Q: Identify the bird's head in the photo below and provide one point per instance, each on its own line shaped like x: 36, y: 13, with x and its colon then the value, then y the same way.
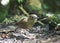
x: 33, y: 18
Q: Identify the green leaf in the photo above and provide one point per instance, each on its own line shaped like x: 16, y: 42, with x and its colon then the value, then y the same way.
x: 19, y: 1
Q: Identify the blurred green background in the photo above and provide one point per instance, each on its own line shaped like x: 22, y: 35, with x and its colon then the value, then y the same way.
x: 41, y: 7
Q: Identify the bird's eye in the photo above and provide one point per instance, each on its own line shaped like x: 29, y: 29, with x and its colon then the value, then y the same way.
x: 31, y: 17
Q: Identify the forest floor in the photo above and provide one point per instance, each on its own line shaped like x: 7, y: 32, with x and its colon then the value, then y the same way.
x: 34, y: 35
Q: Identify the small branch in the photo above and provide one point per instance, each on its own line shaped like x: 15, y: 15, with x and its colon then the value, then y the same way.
x: 41, y: 23
x: 24, y: 11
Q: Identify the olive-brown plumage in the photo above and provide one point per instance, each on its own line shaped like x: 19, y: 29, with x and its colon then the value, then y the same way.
x: 27, y: 22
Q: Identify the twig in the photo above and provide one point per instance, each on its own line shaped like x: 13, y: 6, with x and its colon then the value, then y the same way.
x: 40, y: 22
x: 24, y: 11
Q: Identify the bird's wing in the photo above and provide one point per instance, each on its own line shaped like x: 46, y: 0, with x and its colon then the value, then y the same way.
x: 22, y: 23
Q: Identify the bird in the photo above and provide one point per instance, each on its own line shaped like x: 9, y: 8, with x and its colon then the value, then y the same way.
x: 27, y: 22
